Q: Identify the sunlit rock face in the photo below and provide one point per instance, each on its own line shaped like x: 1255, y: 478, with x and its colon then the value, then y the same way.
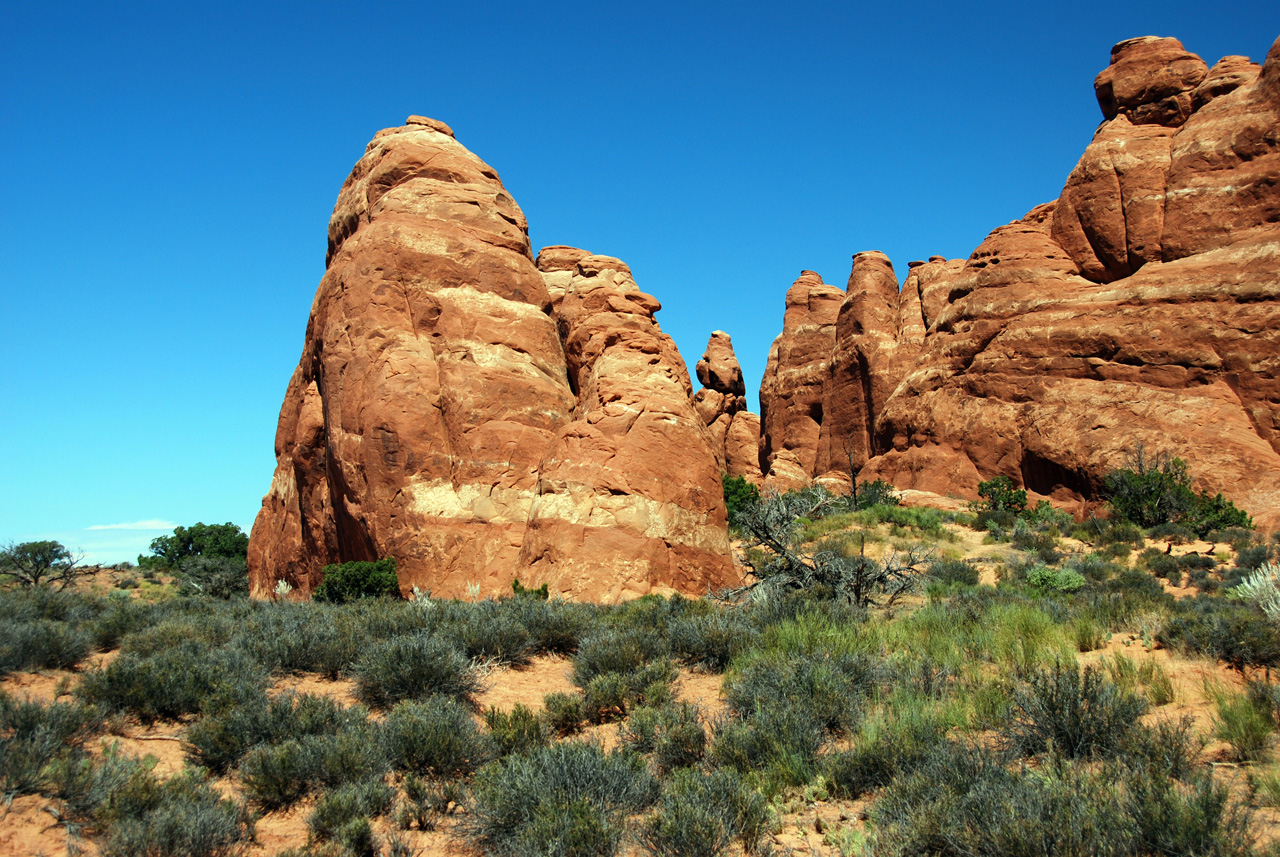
x: 1142, y: 306
x: 433, y: 415
x: 722, y: 406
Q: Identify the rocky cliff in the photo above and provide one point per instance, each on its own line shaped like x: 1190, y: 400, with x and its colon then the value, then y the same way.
x: 1143, y: 305
x: 479, y: 417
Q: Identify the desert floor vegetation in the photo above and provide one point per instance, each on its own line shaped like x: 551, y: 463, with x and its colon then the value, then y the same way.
x: 902, y: 681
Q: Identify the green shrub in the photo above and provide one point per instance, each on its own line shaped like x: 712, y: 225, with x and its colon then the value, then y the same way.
x: 182, y: 817
x: 673, y: 733
x: 214, y: 576
x: 352, y: 580
x: 625, y: 651
x: 710, y: 641
x: 831, y: 688
x: 780, y: 743
x: 1000, y: 495
x: 425, y: 801
x: 32, y: 735
x: 1243, y: 721
x: 564, y: 712
x: 884, y: 749
x: 413, y: 667
x: 348, y: 803
x: 42, y: 644
x: 954, y: 571
x: 219, y: 739
x: 279, y: 775
x: 875, y: 493
x: 490, y: 632
x: 963, y: 801
x: 517, y: 731
x: 1062, y: 580
x: 1238, y: 634
x: 566, y: 798
x: 1077, y: 712
x: 437, y: 738
x: 699, y: 815
x: 1155, y: 490
x: 172, y: 682
x: 542, y: 593
x: 738, y: 494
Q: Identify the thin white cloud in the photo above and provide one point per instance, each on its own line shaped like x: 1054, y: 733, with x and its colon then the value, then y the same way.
x: 136, y: 525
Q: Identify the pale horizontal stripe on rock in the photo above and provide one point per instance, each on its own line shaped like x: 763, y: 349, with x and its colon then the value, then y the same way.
x: 438, y: 498
x: 651, y: 518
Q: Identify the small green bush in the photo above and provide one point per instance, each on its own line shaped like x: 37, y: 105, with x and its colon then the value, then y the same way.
x: 352, y: 580
x: 1077, y: 712
x: 1062, y: 580
x: 1000, y: 495
x: 350, y: 802
x: 183, y: 817
x: 710, y: 641
x: 279, y: 775
x: 436, y: 738
x: 1245, y: 722
x: 219, y: 739
x: 954, y: 571
x: 700, y: 815
x: 738, y: 494
x: 566, y: 798
x: 32, y: 735
x: 876, y: 493
x: 673, y: 733
x: 173, y: 682
x: 413, y: 667
x: 517, y: 731
x: 42, y: 644
x: 564, y: 712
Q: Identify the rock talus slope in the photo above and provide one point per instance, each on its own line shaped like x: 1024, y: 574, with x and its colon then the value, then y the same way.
x: 1141, y: 306
x: 433, y: 390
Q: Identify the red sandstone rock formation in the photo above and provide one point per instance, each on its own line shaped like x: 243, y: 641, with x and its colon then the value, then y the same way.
x: 432, y: 407
x: 791, y: 399
x: 722, y: 406
x: 629, y: 495
x: 1142, y: 306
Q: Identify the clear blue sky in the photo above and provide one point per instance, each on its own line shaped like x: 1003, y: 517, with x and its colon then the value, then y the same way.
x: 170, y: 170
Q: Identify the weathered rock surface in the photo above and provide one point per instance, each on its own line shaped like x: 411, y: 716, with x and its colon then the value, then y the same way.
x: 791, y: 394
x: 722, y: 406
x: 632, y: 485
x: 1142, y: 306
x: 433, y: 392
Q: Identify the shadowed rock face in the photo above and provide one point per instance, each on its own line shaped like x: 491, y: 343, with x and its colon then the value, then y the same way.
x: 1141, y: 306
x: 434, y: 413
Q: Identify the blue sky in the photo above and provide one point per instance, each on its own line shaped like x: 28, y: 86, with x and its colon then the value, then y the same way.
x: 170, y: 170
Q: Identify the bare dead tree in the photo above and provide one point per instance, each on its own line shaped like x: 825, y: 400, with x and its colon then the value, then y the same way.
x: 773, y: 526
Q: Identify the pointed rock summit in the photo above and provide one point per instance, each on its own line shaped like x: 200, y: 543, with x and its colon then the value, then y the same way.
x: 722, y: 406
x: 454, y: 398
